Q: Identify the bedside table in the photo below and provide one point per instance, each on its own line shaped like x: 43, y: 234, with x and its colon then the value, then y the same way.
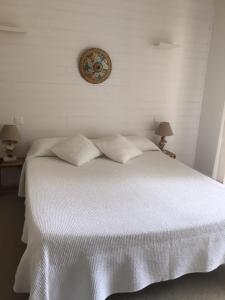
x: 170, y: 154
x: 18, y: 164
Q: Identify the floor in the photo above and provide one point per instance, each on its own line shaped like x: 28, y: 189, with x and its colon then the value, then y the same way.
x: 209, y: 286
x: 11, y: 249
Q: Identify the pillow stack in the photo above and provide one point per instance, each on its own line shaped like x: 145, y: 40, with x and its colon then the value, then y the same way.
x: 78, y: 150
x: 117, y: 148
x: 142, y: 143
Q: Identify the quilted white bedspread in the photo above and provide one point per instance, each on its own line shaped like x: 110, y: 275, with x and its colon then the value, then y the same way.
x: 105, y: 228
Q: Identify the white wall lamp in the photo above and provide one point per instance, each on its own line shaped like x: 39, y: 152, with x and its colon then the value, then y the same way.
x: 166, y: 45
x: 14, y: 29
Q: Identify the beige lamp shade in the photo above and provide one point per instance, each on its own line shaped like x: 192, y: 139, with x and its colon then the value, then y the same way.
x: 164, y: 129
x: 10, y: 133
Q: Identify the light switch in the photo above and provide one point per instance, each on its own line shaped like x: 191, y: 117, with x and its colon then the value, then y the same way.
x: 158, y: 118
x: 18, y: 120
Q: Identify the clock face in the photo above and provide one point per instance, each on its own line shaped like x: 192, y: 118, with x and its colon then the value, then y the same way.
x: 95, y: 65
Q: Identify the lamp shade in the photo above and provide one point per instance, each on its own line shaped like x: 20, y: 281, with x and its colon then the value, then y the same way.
x: 164, y: 129
x: 10, y: 133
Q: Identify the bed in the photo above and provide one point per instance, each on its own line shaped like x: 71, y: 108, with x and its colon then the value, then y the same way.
x: 106, y: 228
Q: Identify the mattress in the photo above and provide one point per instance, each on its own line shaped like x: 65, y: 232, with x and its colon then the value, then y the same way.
x: 106, y: 228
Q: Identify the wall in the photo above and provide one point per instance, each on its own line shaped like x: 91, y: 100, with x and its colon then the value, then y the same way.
x: 39, y: 77
x: 214, y: 96
x: 219, y: 167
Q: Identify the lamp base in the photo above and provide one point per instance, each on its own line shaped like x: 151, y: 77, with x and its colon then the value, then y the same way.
x: 9, y: 155
x: 9, y: 158
x: 162, y: 143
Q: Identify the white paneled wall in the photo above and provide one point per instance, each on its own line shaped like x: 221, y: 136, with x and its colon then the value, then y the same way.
x: 39, y: 77
x: 212, y: 116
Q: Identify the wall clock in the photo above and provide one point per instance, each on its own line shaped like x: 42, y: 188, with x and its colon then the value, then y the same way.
x: 95, y: 65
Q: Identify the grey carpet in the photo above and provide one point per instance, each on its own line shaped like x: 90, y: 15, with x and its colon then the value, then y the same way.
x: 209, y: 286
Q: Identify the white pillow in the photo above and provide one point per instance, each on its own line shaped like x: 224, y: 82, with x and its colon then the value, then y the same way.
x: 41, y: 147
x: 142, y: 143
x: 117, y: 148
x: 76, y: 150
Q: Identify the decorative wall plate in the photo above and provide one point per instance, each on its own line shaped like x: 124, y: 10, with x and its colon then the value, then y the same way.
x: 95, y: 65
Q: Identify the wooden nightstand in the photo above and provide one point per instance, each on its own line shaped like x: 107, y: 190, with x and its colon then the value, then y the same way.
x: 18, y: 164
x: 170, y: 154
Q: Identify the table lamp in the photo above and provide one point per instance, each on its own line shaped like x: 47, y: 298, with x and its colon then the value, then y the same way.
x: 163, y: 130
x: 9, y: 136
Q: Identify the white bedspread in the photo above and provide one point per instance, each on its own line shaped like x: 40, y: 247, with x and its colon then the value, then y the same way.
x: 104, y: 228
